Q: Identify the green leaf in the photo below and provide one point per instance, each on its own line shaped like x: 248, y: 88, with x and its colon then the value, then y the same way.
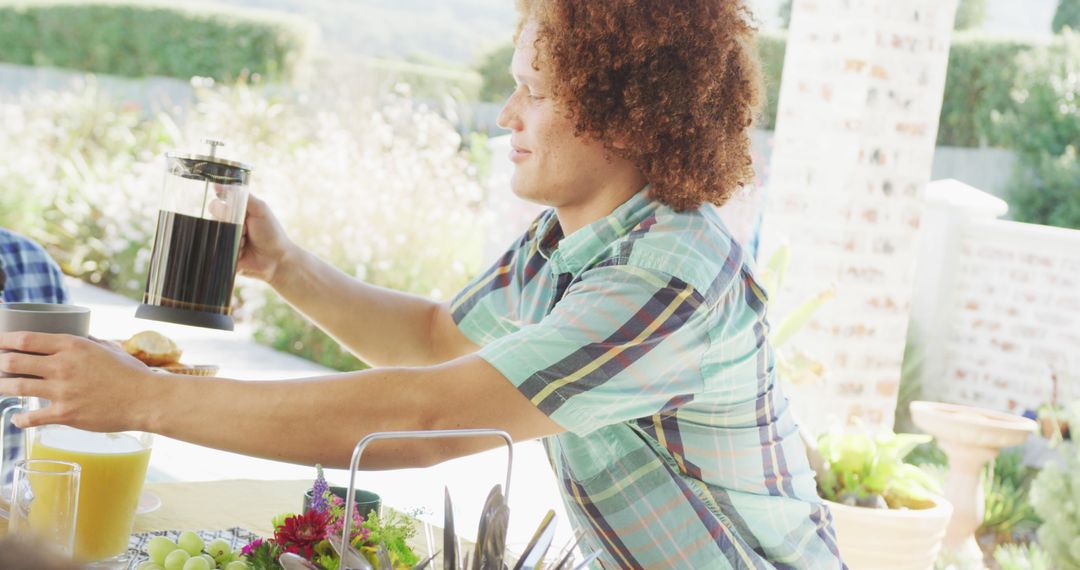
x: 798, y: 318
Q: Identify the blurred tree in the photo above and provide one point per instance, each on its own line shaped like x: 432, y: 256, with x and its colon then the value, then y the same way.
x: 1044, y: 126
x: 1067, y: 15
x: 970, y: 14
x: 785, y: 14
x: 494, y: 70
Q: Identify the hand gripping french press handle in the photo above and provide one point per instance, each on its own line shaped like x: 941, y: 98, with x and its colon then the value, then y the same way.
x: 350, y: 499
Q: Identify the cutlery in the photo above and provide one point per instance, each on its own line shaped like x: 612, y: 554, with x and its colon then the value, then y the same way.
x: 491, y: 537
x: 486, y: 515
x: 588, y: 560
x: 538, y: 545
x: 450, y: 556
x: 383, y: 557
x: 566, y: 559
x: 351, y: 560
x: 291, y: 561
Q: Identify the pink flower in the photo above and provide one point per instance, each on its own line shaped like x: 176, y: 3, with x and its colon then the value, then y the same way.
x: 252, y: 547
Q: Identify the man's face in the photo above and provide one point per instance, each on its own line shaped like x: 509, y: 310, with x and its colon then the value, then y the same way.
x: 551, y: 166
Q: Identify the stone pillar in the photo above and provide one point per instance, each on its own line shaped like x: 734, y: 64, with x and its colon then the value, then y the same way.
x: 857, y: 121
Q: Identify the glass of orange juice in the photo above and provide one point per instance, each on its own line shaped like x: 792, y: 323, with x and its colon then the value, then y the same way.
x: 44, y: 502
x: 113, y: 469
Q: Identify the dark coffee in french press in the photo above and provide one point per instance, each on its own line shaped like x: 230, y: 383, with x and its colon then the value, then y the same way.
x: 197, y: 242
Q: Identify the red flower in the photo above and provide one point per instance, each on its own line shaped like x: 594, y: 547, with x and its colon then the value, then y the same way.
x: 301, y: 533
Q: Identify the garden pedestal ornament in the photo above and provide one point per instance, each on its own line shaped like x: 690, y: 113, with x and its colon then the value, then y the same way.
x: 970, y: 437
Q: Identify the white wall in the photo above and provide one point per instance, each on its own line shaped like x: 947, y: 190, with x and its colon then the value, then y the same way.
x: 997, y: 305
x: 859, y: 107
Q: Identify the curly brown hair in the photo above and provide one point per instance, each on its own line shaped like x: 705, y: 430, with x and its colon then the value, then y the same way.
x: 670, y: 85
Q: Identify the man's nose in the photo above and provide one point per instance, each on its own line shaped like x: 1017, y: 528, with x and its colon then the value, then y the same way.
x: 508, y: 116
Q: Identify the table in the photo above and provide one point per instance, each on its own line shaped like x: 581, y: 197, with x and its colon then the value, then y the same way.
x: 217, y: 505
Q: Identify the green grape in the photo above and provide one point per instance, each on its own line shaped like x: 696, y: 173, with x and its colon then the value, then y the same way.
x: 219, y: 549
x: 158, y: 548
x: 197, y: 563
x: 150, y: 565
x: 176, y: 559
x: 191, y: 542
x: 237, y: 565
x: 209, y: 559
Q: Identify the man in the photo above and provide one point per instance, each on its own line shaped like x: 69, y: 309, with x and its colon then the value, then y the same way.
x: 27, y: 275
x: 624, y: 327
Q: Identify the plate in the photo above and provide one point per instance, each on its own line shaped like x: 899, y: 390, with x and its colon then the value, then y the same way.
x: 148, y: 503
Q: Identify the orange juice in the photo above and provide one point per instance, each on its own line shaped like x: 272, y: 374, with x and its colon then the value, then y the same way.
x: 113, y: 469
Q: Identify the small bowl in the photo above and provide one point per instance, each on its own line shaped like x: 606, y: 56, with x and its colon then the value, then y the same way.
x: 366, y: 501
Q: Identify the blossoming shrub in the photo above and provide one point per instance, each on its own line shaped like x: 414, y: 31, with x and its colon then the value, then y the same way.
x: 378, y: 186
x: 77, y: 173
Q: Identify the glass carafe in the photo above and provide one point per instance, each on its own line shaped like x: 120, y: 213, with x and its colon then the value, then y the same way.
x: 199, y: 225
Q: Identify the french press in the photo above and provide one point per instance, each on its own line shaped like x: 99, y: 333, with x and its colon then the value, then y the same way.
x: 197, y: 242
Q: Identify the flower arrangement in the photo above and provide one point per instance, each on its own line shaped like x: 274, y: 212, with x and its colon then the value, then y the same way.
x: 309, y: 534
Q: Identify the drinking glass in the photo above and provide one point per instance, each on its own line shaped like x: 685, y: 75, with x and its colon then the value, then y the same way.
x: 45, y: 502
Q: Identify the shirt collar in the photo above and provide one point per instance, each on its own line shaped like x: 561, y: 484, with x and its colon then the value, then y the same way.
x: 571, y: 254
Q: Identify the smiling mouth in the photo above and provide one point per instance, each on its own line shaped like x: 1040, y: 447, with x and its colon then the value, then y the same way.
x: 518, y: 154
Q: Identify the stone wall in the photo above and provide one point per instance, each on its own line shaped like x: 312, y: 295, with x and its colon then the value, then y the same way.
x: 859, y: 105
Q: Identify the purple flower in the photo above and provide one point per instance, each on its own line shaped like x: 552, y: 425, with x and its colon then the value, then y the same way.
x: 252, y: 547
x: 319, y: 491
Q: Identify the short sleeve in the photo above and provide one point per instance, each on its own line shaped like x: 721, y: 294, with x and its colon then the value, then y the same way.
x: 622, y: 343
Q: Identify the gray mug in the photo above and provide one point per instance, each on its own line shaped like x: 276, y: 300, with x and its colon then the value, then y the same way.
x: 45, y: 318
x: 34, y: 317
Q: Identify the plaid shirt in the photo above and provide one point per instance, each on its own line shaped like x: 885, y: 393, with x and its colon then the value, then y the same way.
x: 32, y: 277
x: 644, y: 336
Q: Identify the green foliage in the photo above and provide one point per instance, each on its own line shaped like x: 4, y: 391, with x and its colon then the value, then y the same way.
x: 288, y: 331
x: 982, y: 71
x: 928, y: 453
x: 792, y: 364
x: 784, y: 13
x: 76, y: 173
x: 1008, y: 515
x: 138, y: 39
x: 1044, y: 127
x: 394, y: 530
x: 494, y: 68
x: 867, y: 470
x: 1021, y: 557
x: 970, y: 14
x: 1055, y: 495
x: 1067, y: 15
x: 771, y: 49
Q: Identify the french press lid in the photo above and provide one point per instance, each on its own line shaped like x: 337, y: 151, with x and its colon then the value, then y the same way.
x: 208, y: 168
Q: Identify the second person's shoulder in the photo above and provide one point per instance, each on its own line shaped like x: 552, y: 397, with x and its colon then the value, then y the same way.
x: 694, y: 246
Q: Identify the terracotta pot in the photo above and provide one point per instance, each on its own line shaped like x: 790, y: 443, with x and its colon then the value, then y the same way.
x: 900, y: 539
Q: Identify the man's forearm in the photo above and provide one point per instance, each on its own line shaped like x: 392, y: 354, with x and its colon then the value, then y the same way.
x: 320, y: 420
x: 316, y: 420
x: 382, y: 327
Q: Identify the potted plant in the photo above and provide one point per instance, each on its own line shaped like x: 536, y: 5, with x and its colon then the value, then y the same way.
x: 887, y: 513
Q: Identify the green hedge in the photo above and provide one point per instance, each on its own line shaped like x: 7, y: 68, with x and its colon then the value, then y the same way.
x: 142, y: 39
x: 982, y: 72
